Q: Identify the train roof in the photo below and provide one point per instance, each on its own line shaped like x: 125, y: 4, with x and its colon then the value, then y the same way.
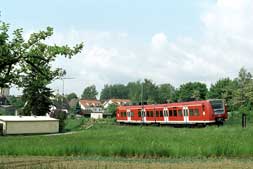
x: 166, y: 105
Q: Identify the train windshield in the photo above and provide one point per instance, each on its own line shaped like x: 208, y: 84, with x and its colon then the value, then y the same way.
x: 218, y: 106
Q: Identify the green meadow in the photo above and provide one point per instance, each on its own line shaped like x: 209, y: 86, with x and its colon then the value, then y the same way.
x: 105, y: 138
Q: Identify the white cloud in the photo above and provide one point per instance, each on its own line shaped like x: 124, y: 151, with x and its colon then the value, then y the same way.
x: 113, y: 57
x: 159, y: 41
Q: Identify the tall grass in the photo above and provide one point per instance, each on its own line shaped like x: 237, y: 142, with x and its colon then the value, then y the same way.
x: 105, y: 139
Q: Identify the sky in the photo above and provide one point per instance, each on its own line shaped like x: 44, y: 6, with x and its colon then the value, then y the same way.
x: 165, y: 41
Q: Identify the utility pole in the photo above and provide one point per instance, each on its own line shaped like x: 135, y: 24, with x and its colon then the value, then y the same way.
x: 64, y: 78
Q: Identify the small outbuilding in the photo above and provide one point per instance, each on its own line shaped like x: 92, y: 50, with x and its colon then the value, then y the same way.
x: 28, y: 125
x: 96, y: 115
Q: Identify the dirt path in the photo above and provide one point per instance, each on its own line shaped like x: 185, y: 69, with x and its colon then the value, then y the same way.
x: 69, y: 163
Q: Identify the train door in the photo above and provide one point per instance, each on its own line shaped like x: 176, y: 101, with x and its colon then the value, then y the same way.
x: 186, y: 114
x: 143, y: 115
x: 165, y: 114
x: 128, y: 115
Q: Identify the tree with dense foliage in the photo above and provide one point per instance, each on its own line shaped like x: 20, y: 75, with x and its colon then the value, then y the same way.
x: 243, y: 95
x: 150, y: 94
x: 89, y: 92
x: 191, y: 91
x: 134, y: 91
x: 71, y: 96
x: 112, y: 109
x: 16, y: 101
x: 118, y: 91
x: 27, y: 64
x: 223, y: 89
x: 62, y: 116
x: 166, y: 93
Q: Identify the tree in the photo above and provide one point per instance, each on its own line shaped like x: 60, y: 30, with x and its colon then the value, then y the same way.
x: 223, y: 89
x: 134, y: 91
x: 118, y: 91
x: 27, y: 64
x: 37, y: 100
x: 150, y: 94
x: 17, y: 56
x: 243, y: 95
x: 112, y: 109
x: 71, y: 96
x: 166, y: 93
x: 62, y: 116
x: 90, y: 92
x: 17, y: 102
x: 191, y: 91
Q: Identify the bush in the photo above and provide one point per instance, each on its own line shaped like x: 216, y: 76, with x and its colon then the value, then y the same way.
x: 62, y: 116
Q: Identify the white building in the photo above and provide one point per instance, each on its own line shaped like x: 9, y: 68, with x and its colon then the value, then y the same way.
x: 119, y: 102
x: 28, y: 125
x: 96, y: 115
x: 91, y: 105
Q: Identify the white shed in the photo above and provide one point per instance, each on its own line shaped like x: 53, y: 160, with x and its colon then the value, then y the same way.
x: 28, y: 125
x: 96, y: 115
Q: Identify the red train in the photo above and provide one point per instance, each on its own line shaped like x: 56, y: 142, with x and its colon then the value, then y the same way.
x: 194, y: 112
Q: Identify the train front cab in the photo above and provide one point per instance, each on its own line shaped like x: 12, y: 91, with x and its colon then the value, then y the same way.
x: 219, y: 111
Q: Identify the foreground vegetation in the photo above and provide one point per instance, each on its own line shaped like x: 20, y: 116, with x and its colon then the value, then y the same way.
x: 105, y: 138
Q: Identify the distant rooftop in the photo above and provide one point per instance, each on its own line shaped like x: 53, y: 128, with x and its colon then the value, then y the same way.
x: 26, y: 118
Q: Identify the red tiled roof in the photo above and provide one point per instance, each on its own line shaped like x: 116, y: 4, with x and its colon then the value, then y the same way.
x: 120, y: 100
x: 86, y: 102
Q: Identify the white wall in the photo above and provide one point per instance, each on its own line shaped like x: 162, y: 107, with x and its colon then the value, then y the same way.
x: 32, y: 127
x: 96, y: 115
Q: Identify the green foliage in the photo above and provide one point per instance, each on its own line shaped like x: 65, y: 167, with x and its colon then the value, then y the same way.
x: 19, y: 57
x: 166, y: 93
x: 243, y: 95
x: 60, y: 102
x: 77, y: 108
x: 134, y: 91
x: 62, y: 116
x: 74, y: 124
x: 223, y: 89
x: 112, y: 109
x: 71, y: 96
x: 27, y: 64
x: 192, y: 91
x: 90, y: 92
x: 17, y: 102
x: 150, y: 94
x: 118, y: 91
x: 37, y: 100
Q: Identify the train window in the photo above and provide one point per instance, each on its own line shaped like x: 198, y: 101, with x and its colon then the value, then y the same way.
x: 124, y: 114
x: 121, y: 114
x: 157, y: 113
x: 170, y: 112
x: 179, y: 112
x: 191, y: 112
x: 175, y: 112
x: 147, y: 113
x: 139, y: 114
x: 161, y: 113
x: 196, y: 112
x: 151, y: 114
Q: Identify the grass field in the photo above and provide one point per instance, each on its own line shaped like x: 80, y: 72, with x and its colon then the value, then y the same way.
x: 106, y: 139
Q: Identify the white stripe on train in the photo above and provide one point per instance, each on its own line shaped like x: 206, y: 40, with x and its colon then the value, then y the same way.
x: 163, y: 122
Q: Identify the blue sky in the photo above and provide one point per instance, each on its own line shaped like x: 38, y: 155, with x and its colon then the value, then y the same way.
x: 127, y: 40
x: 139, y: 18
